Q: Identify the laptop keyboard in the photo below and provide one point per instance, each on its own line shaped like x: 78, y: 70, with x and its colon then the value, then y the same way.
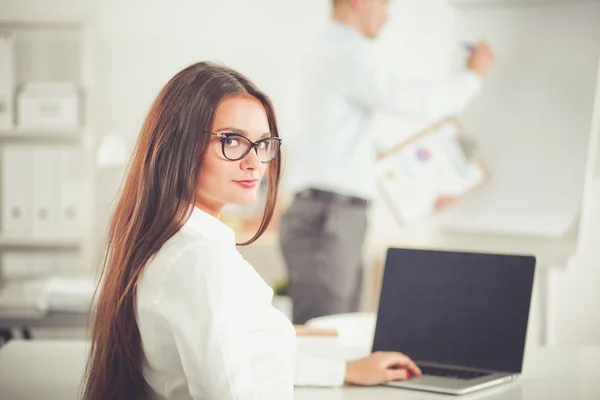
x: 452, y: 373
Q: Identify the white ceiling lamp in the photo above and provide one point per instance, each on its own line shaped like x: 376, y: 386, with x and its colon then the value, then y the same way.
x: 112, y: 152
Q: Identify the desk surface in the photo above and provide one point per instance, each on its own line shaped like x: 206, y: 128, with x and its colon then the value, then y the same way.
x: 53, y: 370
x: 525, y: 390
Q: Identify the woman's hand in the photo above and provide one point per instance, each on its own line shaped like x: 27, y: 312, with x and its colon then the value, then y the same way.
x: 380, y: 367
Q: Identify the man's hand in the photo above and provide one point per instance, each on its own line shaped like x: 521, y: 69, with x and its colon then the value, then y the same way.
x: 481, y: 60
x: 443, y: 202
x: 380, y: 367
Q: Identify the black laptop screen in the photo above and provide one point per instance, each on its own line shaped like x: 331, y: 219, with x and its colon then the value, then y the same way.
x: 454, y: 308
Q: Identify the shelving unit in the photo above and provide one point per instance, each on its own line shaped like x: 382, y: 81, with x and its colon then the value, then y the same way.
x: 52, y: 51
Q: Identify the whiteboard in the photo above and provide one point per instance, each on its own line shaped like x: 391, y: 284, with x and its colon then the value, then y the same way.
x: 533, y: 119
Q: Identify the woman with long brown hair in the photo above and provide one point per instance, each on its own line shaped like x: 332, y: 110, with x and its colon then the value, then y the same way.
x: 181, y: 315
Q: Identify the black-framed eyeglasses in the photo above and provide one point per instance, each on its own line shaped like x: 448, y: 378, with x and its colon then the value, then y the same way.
x: 236, y: 146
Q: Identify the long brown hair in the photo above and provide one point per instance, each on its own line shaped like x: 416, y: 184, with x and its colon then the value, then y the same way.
x: 154, y: 203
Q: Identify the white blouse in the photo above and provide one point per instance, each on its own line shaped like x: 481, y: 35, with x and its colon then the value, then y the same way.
x: 208, y: 327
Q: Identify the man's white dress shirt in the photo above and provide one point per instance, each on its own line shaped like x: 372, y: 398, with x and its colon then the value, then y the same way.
x: 344, y: 85
x: 208, y: 327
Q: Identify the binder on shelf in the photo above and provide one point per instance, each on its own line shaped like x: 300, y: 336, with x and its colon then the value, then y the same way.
x: 435, y: 167
x: 17, y: 206
x: 70, y: 187
x: 6, y: 79
x: 45, y: 191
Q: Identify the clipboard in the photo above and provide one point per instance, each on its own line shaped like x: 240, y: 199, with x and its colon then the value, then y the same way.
x: 439, y: 162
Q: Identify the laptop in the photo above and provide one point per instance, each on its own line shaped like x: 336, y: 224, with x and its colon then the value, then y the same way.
x: 462, y: 317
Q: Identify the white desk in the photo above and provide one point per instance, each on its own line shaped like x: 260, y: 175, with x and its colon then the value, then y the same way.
x: 526, y: 390
x: 53, y: 369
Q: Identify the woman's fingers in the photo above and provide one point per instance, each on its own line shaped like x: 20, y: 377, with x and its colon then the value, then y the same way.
x: 399, y: 360
x: 399, y: 374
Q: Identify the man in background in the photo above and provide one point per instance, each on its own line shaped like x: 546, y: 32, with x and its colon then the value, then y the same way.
x: 322, y: 232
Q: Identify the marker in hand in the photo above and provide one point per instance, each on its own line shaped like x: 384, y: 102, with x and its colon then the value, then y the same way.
x: 468, y: 46
x: 480, y: 59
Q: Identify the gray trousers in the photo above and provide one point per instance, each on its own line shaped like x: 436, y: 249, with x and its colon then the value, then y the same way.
x: 321, y: 241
